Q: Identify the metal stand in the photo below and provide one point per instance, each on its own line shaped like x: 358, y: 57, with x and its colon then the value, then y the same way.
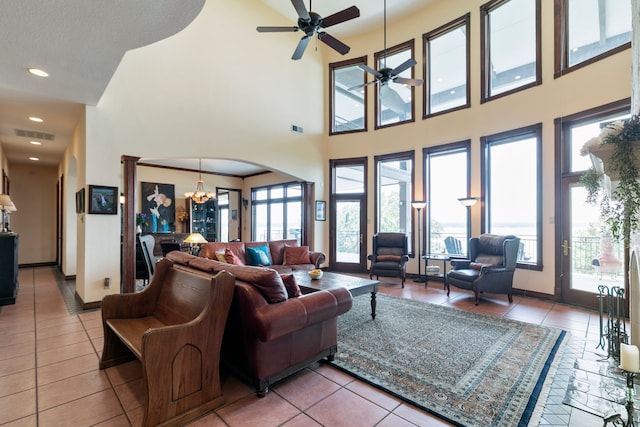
x: 419, y: 279
x: 615, y: 330
x: 616, y: 420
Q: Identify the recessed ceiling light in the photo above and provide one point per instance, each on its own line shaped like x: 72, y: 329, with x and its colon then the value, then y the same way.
x: 38, y: 72
x: 35, y: 142
x: 36, y: 119
x: 35, y: 159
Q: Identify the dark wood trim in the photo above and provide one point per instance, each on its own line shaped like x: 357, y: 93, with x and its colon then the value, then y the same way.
x: 485, y: 52
x: 87, y: 305
x: 410, y: 46
x: 37, y: 264
x: 149, y: 165
x: 129, y: 224
x: 344, y: 64
x: 462, y: 22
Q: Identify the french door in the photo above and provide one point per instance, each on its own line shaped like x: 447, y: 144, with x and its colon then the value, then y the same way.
x: 348, y: 220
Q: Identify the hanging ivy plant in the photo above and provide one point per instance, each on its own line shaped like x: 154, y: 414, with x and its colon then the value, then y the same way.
x: 620, y: 210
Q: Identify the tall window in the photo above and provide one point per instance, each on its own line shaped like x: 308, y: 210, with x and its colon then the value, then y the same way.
x: 510, y: 46
x: 277, y: 212
x: 512, y: 181
x: 448, y: 220
x: 394, y: 101
x: 447, y: 53
x: 348, y: 107
x: 394, y: 185
x: 589, y: 30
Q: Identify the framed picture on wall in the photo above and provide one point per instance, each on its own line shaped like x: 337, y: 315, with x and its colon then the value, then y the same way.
x: 103, y: 200
x: 321, y: 210
x: 80, y: 201
x: 158, y: 202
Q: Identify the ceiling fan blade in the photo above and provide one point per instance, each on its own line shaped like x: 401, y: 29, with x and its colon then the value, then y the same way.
x: 276, y: 29
x: 409, y: 82
x: 301, y: 9
x: 391, y: 99
x: 302, y: 45
x: 339, y: 17
x: 334, y: 43
x: 404, y: 66
x: 369, y: 70
x: 362, y: 85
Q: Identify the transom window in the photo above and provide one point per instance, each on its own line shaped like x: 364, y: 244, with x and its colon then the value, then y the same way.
x: 394, y: 101
x: 512, y: 182
x: 348, y: 107
x: 277, y: 212
x: 589, y: 30
x: 394, y: 185
x: 510, y: 46
x: 447, y: 53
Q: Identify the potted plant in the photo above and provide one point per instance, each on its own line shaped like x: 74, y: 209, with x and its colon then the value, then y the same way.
x: 613, y: 181
x: 141, y: 221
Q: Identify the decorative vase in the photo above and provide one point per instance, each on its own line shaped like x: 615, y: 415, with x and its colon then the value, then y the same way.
x: 138, y: 229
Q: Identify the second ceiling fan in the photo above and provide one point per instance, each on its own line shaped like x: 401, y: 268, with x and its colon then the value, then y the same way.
x: 385, y: 74
x: 311, y: 24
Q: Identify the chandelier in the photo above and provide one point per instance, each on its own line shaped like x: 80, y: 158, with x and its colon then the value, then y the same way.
x: 199, y: 196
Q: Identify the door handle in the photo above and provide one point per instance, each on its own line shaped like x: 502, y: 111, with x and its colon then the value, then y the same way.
x: 360, y: 238
x: 565, y: 247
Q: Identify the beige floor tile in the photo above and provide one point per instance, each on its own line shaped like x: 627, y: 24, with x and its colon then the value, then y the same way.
x: 63, y: 391
x: 345, y: 408
x: 67, y: 368
x: 17, y: 405
x: 271, y: 410
x: 305, y: 388
x: 64, y: 353
x: 17, y: 364
x: 87, y: 411
x: 15, y: 383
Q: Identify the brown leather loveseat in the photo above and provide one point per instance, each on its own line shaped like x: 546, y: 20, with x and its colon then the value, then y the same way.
x: 269, y: 334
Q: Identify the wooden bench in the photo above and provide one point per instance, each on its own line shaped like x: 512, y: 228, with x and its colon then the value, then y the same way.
x: 175, y: 328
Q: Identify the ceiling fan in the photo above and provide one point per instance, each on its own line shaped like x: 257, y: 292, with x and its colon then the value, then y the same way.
x: 386, y: 74
x: 311, y: 24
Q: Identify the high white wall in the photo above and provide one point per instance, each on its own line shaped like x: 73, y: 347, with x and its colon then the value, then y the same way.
x: 597, y: 84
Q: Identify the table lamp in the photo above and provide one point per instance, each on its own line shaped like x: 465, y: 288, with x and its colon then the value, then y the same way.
x: 195, y: 240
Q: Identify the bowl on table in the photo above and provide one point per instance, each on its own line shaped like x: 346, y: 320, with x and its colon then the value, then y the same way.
x: 315, y: 274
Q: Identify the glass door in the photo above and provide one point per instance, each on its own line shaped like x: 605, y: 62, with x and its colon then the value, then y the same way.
x: 347, y: 217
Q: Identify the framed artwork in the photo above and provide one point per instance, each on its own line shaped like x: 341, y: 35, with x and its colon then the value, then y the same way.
x: 80, y: 200
x: 234, y: 214
x: 321, y: 210
x: 103, y: 200
x: 158, y: 203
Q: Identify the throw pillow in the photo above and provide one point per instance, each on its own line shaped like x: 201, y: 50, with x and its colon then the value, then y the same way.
x: 220, y: 256
x: 231, y: 258
x: 259, y: 255
x: 295, y: 255
x: 293, y: 290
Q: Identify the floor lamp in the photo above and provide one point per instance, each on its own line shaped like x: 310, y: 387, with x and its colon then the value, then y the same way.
x: 419, y: 204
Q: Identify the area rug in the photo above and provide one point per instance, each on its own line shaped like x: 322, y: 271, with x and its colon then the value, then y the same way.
x: 468, y: 369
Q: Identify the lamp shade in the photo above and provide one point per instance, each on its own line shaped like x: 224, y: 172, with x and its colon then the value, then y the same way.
x: 468, y: 201
x: 11, y: 208
x: 195, y: 238
x: 418, y: 204
x: 5, y: 201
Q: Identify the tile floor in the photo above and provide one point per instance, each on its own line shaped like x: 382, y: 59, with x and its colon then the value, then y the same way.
x: 49, y: 372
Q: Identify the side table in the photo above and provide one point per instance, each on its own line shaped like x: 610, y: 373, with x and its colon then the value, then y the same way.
x: 439, y: 257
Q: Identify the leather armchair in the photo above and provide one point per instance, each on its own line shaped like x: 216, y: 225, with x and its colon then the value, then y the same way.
x: 490, y: 267
x: 390, y: 253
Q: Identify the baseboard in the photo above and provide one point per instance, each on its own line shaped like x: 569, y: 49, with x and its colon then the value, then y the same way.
x: 87, y: 305
x: 37, y: 264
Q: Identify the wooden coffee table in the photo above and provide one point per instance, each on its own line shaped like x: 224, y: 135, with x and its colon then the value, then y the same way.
x: 355, y: 285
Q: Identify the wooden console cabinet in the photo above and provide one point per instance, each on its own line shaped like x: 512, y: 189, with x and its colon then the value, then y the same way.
x: 8, y: 268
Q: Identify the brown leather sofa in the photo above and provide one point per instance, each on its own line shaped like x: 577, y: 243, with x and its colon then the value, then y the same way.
x: 278, y: 254
x: 268, y: 334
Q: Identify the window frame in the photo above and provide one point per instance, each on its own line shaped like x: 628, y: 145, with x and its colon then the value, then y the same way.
x: 410, y: 46
x: 463, y: 21
x: 439, y: 150
x: 485, y: 52
x: 486, y: 142
x: 561, y: 43
x: 304, y: 209
x: 400, y: 156
x: 344, y: 64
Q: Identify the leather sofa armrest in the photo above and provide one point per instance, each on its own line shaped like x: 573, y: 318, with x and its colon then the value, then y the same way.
x: 276, y: 320
x: 317, y: 258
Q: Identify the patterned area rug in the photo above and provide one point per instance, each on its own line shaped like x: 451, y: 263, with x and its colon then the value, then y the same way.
x: 466, y: 368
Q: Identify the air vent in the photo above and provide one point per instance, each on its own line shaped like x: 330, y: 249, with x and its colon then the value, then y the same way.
x: 35, y: 135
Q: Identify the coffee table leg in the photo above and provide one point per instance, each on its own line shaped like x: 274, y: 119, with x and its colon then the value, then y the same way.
x: 373, y: 305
